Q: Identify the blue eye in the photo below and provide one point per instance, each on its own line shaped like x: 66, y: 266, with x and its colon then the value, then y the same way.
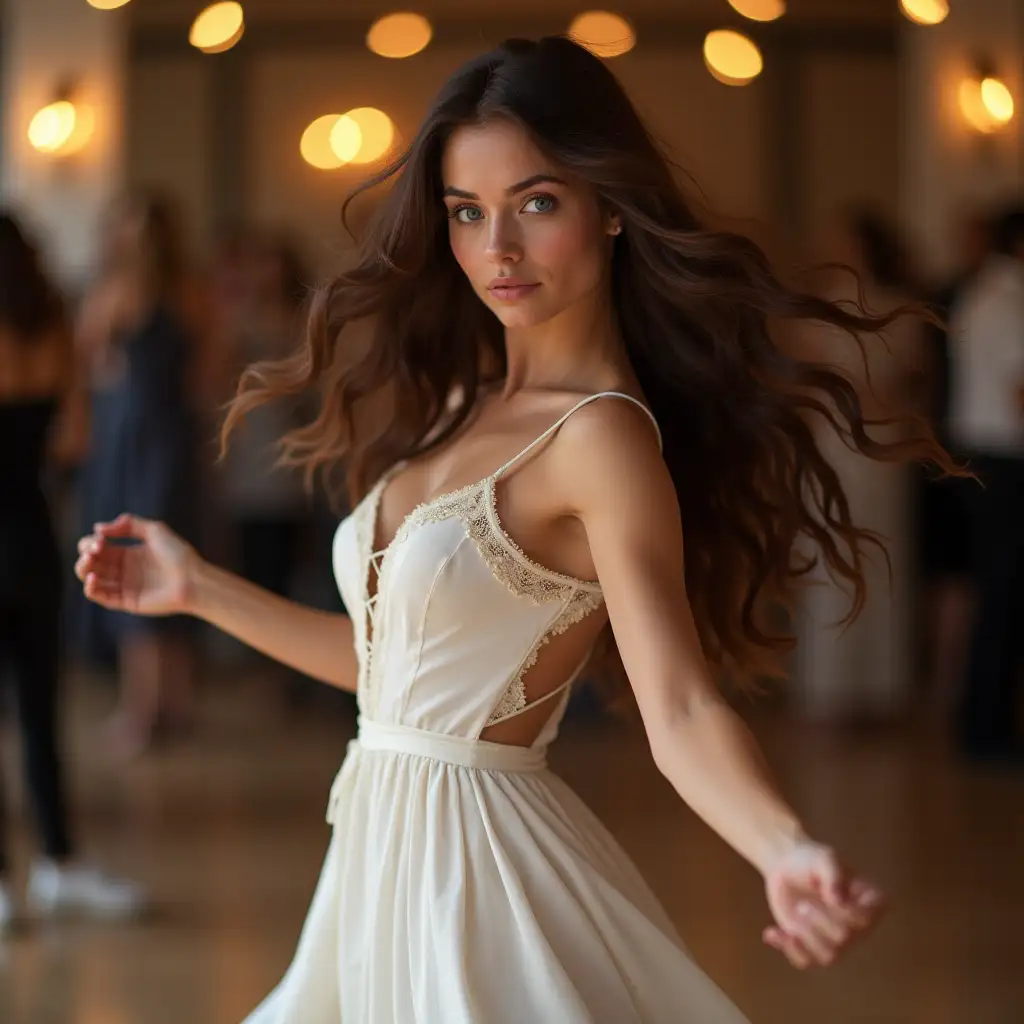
x: 540, y: 204
x: 459, y: 211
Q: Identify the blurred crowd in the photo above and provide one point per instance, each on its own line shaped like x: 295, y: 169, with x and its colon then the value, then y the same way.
x: 111, y: 401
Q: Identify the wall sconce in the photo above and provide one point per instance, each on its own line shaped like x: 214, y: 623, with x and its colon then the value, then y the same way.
x: 63, y: 127
x: 985, y: 102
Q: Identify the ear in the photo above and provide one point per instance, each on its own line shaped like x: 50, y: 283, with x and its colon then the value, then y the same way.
x: 613, y: 224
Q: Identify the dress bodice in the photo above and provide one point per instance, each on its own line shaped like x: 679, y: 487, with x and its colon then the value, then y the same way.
x: 460, y: 612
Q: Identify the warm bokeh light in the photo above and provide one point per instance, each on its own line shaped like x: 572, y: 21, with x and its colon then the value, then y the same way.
x: 731, y: 57
x: 218, y: 27
x: 52, y: 126
x: 602, y: 33
x: 61, y: 128
x: 345, y: 139
x: 81, y: 133
x: 315, y: 145
x: 986, y: 104
x: 997, y: 100
x: 366, y: 133
x: 399, y: 35
x: 925, y: 12
x: 972, y: 107
x: 106, y: 5
x: 759, y: 10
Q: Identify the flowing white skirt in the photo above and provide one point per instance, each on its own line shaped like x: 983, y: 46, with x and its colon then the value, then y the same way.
x: 467, y: 884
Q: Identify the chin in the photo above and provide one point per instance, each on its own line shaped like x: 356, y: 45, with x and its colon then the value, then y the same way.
x: 520, y: 315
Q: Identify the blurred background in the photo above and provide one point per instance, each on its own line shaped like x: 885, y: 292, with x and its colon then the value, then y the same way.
x: 171, y: 178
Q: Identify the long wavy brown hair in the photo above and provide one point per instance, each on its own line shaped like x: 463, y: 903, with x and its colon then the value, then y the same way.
x: 698, y: 307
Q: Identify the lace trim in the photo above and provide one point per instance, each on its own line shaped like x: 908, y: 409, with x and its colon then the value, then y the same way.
x: 513, y: 701
x: 476, y: 506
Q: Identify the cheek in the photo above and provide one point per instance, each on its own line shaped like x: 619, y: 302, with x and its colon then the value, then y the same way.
x: 570, y: 252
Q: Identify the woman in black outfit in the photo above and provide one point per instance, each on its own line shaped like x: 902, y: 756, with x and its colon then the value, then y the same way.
x: 41, y: 419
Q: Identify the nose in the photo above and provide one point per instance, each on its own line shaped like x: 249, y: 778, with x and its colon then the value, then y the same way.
x: 503, y: 242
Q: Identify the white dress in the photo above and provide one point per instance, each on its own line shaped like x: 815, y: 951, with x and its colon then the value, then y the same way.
x: 465, y: 883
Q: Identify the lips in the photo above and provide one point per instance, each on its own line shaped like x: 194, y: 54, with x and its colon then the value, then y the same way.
x: 510, y: 289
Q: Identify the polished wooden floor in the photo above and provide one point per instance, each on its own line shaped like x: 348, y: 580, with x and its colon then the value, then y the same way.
x: 228, y: 831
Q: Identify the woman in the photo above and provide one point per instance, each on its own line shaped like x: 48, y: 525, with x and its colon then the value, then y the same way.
x: 535, y: 258
x: 142, y: 451
x: 42, y: 420
x: 863, y: 672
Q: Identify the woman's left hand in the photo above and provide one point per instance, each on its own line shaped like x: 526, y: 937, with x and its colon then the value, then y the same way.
x: 818, y: 906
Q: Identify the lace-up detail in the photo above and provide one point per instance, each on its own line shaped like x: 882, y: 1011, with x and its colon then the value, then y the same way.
x: 476, y: 506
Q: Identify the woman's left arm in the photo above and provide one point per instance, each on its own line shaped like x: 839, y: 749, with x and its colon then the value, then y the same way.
x: 626, y: 501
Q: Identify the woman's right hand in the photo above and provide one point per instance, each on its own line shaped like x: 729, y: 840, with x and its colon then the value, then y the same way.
x: 152, y: 576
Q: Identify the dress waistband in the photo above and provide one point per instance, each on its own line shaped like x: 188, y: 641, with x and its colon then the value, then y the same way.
x: 482, y: 755
x: 457, y: 750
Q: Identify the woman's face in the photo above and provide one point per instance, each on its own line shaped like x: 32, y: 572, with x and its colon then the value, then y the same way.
x: 531, y: 241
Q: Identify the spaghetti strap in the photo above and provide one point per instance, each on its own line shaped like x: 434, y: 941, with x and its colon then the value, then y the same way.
x: 558, y: 423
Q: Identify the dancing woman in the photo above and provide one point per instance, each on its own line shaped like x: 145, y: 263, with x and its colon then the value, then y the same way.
x: 582, y: 377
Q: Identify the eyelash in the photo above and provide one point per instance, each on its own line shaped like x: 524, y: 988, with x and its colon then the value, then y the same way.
x: 454, y: 215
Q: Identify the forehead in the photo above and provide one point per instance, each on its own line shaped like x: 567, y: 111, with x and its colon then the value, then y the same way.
x: 491, y: 156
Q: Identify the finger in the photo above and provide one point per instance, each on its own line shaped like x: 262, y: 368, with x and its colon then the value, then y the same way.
x: 125, y: 525
x: 833, y: 928
x: 105, y: 564
x: 832, y: 880
x: 88, y: 543
x: 790, y: 947
x: 865, y: 895
x: 798, y: 924
x: 102, y: 593
x: 820, y: 949
x: 864, y: 904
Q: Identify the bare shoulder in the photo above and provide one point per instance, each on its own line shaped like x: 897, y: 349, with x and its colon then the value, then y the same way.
x: 608, y: 457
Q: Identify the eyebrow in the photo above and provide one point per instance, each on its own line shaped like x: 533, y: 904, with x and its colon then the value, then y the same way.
x: 512, y: 190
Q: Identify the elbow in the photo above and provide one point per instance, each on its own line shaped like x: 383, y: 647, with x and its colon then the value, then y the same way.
x: 680, y: 725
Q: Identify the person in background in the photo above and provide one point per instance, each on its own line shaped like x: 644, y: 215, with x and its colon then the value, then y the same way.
x: 942, y: 504
x: 267, y: 505
x: 42, y: 423
x: 863, y: 672
x: 987, y: 427
x: 143, y: 455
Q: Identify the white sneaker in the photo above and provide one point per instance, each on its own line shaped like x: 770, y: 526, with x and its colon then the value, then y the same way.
x: 8, y: 912
x: 55, y: 889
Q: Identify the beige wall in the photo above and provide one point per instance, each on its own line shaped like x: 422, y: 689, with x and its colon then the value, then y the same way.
x: 722, y: 135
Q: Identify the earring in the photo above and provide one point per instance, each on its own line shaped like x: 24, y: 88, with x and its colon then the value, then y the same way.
x: 617, y: 230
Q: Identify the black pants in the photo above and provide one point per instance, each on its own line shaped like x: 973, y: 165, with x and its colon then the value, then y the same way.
x: 30, y: 658
x: 987, y: 720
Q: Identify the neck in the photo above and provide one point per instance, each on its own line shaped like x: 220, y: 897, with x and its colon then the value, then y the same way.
x: 580, y: 349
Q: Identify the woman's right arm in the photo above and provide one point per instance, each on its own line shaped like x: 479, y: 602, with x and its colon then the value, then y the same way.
x: 318, y: 644
x: 157, y: 573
